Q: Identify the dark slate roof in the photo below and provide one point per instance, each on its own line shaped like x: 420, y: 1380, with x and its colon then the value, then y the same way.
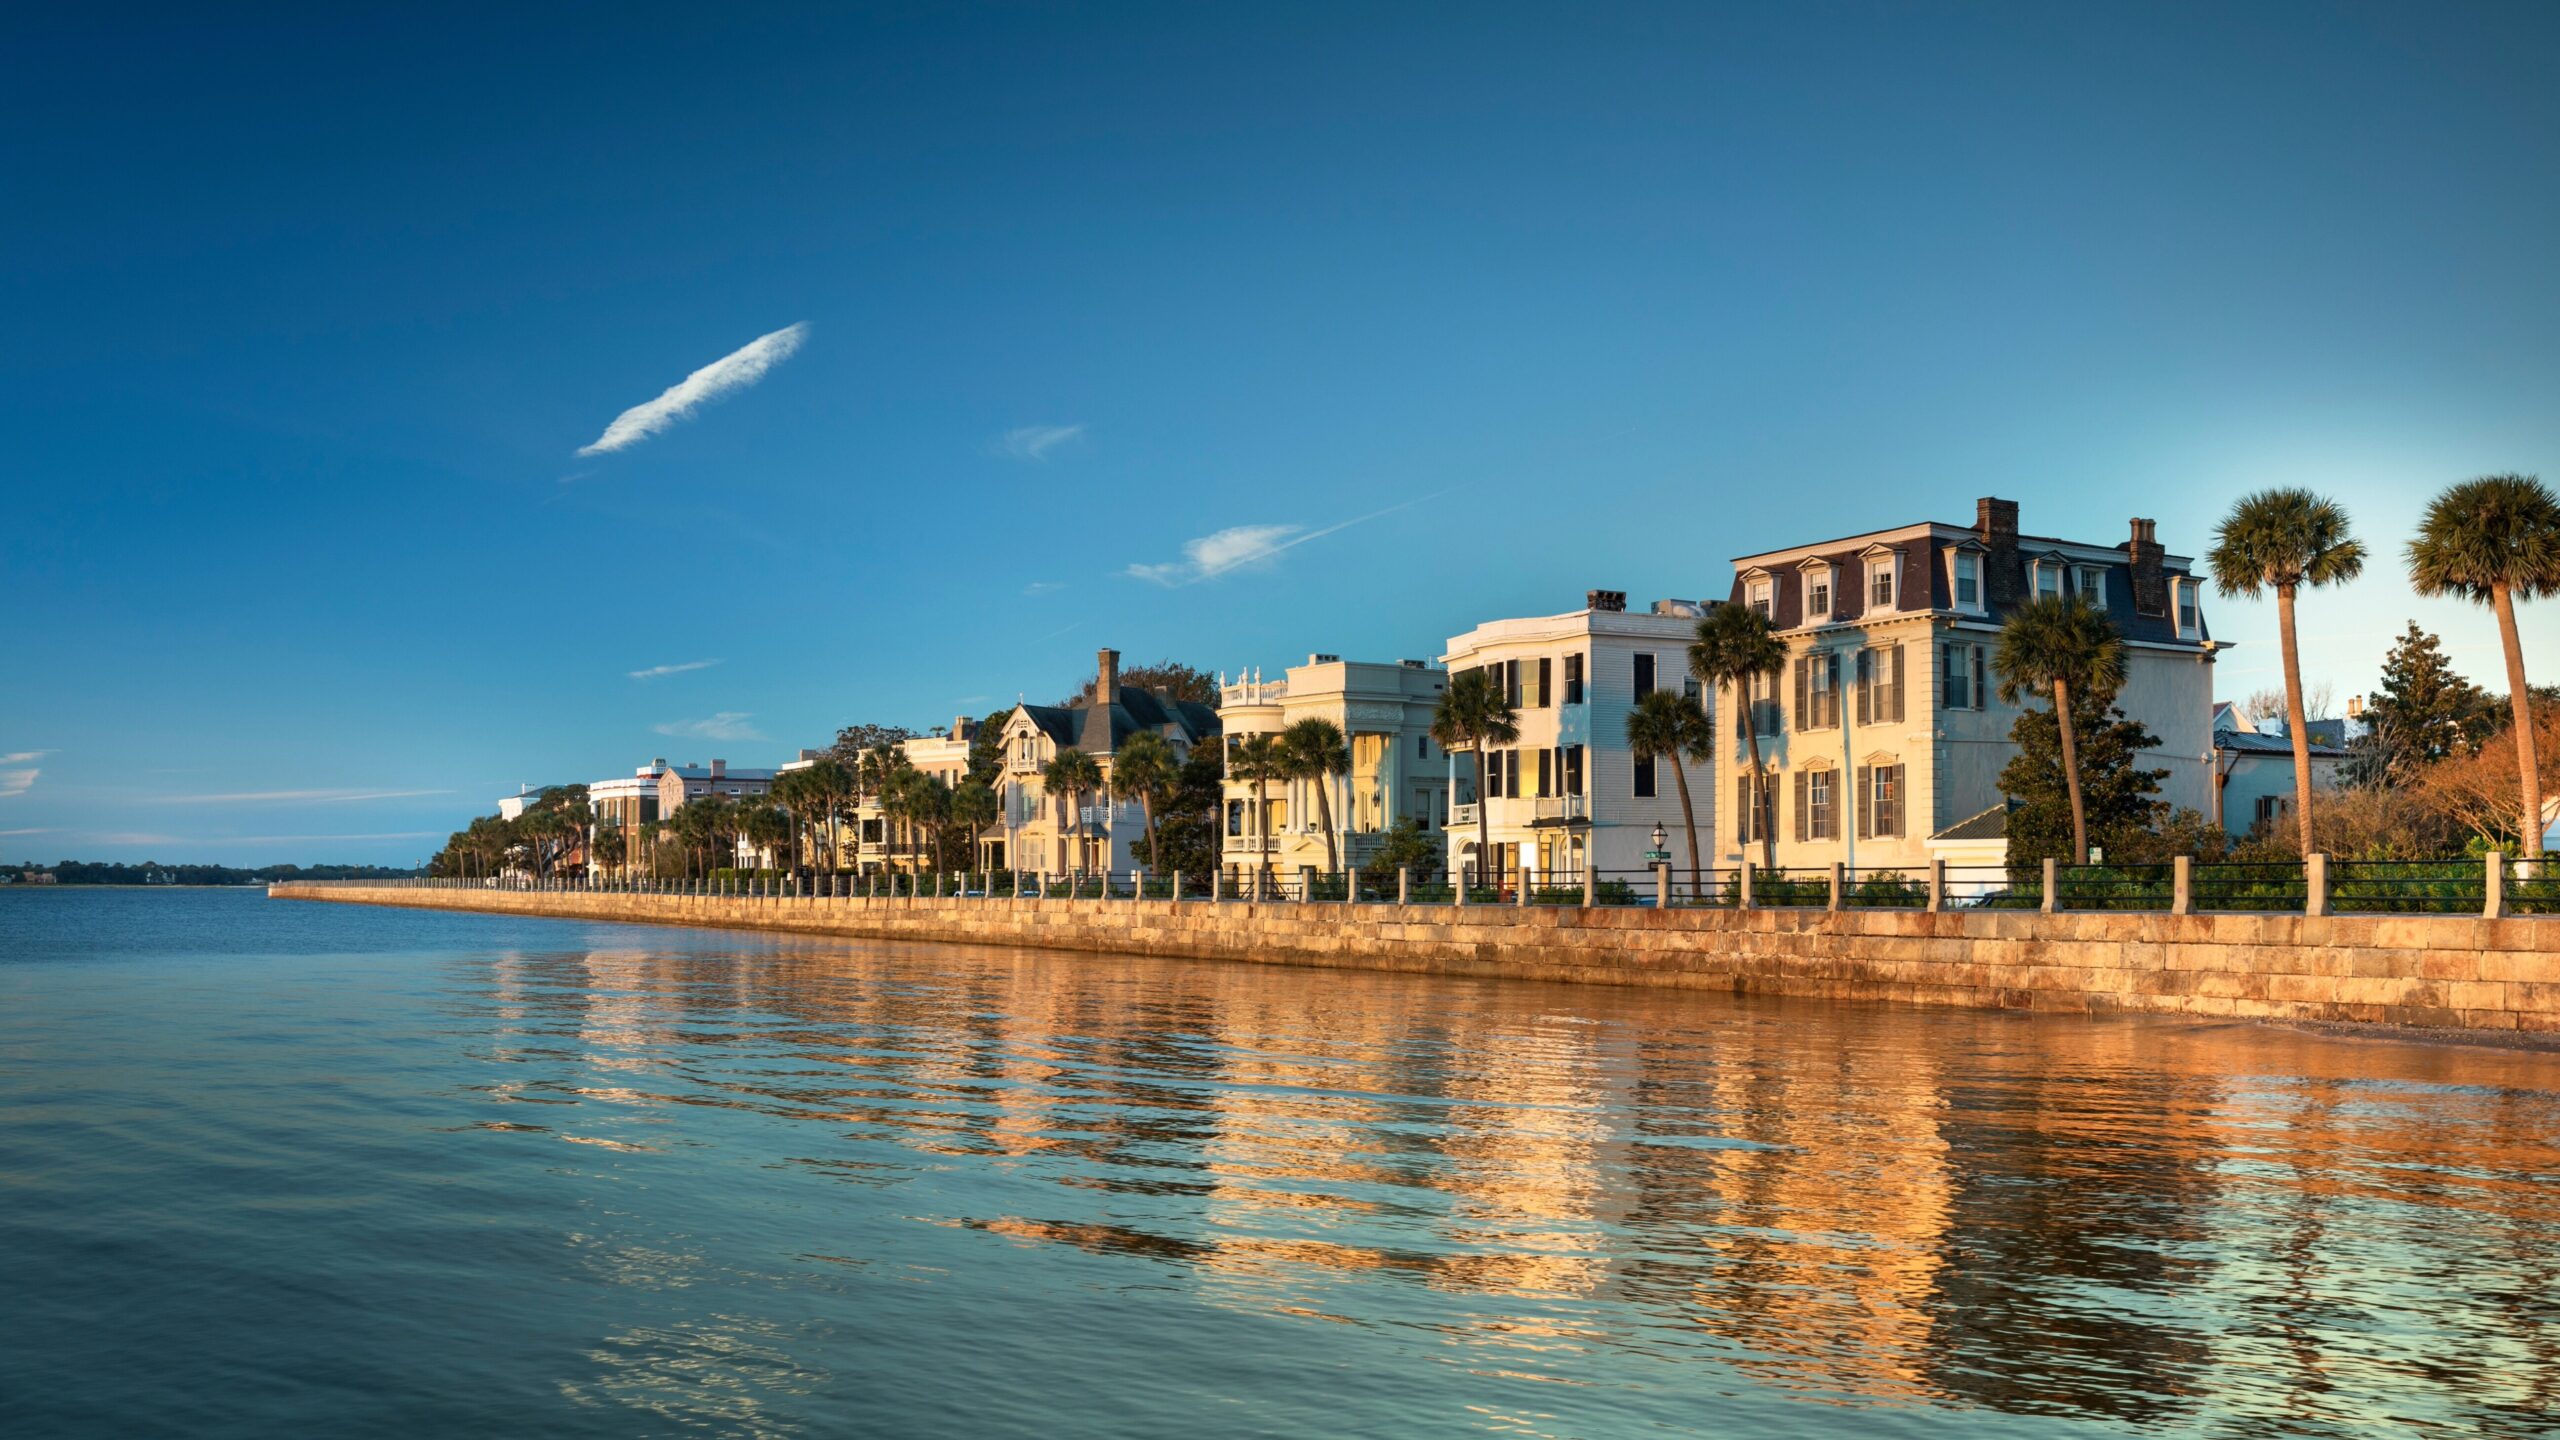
x: 1924, y: 573
x: 1100, y: 729
x: 2250, y: 742
x: 1991, y: 824
x: 1056, y: 721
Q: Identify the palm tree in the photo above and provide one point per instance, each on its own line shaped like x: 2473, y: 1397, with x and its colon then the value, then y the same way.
x: 607, y: 850
x: 831, y: 791
x: 1668, y: 725
x: 1073, y: 774
x: 1259, y: 760
x: 2496, y: 540
x: 796, y: 794
x: 974, y: 807
x: 766, y: 827
x: 2065, y: 645
x: 1313, y: 750
x: 2285, y: 539
x: 1472, y: 713
x: 1145, y: 770
x: 1736, y: 645
x: 927, y: 802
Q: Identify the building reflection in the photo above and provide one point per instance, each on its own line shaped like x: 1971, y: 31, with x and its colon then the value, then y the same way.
x: 2111, y: 1221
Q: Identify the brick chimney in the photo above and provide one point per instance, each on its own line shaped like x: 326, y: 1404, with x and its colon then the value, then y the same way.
x: 2150, y: 581
x: 2004, y: 572
x: 1106, y: 677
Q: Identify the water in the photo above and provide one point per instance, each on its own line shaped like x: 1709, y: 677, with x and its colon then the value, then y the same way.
x: 271, y: 1167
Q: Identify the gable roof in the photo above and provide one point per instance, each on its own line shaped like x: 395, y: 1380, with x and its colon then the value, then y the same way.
x: 1991, y: 824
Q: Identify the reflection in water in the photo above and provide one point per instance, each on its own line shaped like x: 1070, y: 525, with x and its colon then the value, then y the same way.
x: 2132, y: 1223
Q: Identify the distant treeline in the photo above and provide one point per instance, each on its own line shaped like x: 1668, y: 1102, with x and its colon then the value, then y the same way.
x: 152, y: 872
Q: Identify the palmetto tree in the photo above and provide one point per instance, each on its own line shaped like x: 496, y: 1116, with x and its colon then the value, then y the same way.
x: 794, y: 792
x: 2496, y: 540
x: 1145, y: 770
x: 1736, y: 645
x: 974, y: 807
x: 1668, y: 725
x: 1313, y: 750
x: 1074, y: 775
x: 877, y: 775
x: 2282, y: 540
x: 766, y: 827
x: 2066, y: 646
x: 831, y: 791
x: 1259, y: 760
x: 1473, y: 713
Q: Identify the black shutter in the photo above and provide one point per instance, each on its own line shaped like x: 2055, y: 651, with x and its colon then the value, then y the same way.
x: 1546, y: 771
x: 1894, y: 712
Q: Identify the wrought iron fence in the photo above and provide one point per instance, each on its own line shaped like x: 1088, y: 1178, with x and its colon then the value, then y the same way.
x: 2490, y: 885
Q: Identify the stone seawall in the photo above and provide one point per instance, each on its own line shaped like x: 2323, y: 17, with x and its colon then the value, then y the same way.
x: 2430, y: 970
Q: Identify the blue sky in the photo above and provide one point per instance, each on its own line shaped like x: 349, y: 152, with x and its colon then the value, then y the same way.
x: 305, y: 319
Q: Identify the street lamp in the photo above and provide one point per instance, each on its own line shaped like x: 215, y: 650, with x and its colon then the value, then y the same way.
x: 1659, y: 838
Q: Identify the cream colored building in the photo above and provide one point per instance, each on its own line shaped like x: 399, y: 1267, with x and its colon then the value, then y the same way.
x: 1037, y: 832
x: 1569, y: 788
x: 1885, y: 727
x: 874, y: 842
x: 1397, y: 774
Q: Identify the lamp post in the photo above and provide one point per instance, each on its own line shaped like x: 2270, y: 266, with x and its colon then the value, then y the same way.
x: 1659, y: 838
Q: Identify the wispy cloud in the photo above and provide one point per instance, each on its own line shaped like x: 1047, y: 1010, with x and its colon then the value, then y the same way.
x: 39, y: 830
x: 18, y: 782
x: 23, y: 757
x: 1248, y: 547
x: 1044, y: 587
x: 727, y: 725
x: 307, y: 797
x: 660, y: 672
x: 736, y: 370
x: 1034, y: 442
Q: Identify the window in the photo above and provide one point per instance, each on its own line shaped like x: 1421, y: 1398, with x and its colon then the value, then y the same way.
x: 1573, y: 769
x: 2187, y: 619
x: 1644, y: 777
x: 1509, y: 673
x: 1817, y: 601
x: 1235, y: 817
x: 1955, y: 690
x: 1573, y: 679
x: 1421, y: 747
x: 1753, y: 797
x: 1546, y: 773
x: 1818, y: 690
x: 1880, y: 584
x: 2093, y: 585
x: 2048, y: 580
x: 1546, y: 682
x: 1644, y: 674
x: 1968, y: 580
x: 1814, y: 815
x: 1759, y: 597
x: 1879, y: 801
x: 1880, y: 686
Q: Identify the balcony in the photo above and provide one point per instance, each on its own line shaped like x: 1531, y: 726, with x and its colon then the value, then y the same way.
x: 1559, y: 810
x: 1253, y: 844
x: 1462, y: 814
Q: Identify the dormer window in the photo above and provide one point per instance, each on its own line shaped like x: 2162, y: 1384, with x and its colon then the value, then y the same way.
x: 1757, y: 595
x: 2048, y: 580
x: 2190, y: 623
x: 1817, y: 595
x: 1880, y: 584
x: 1968, y: 580
x: 2093, y: 585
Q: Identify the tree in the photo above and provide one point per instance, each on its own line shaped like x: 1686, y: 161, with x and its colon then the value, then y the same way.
x: 1169, y: 678
x: 1187, y: 822
x: 766, y: 827
x: 1668, y: 725
x: 796, y: 793
x: 1073, y: 775
x: 2496, y: 540
x: 608, y: 849
x: 974, y: 807
x: 1473, y: 713
x: 1258, y: 760
x: 2282, y: 540
x: 2421, y: 713
x: 2064, y: 645
x: 878, y: 774
x: 2073, y: 781
x: 1405, y: 846
x: 853, y: 740
x: 1313, y: 750
x: 1145, y: 770
x: 1736, y: 645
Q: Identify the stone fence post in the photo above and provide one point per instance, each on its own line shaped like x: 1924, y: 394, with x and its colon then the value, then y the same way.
x: 1838, y: 873
x: 2052, y: 884
x: 1662, y: 885
x: 1749, y: 901
x: 2493, y: 893
x: 2315, y: 884
x: 1404, y: 884
x: 2182, y: 885
x: 1937, y: 885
